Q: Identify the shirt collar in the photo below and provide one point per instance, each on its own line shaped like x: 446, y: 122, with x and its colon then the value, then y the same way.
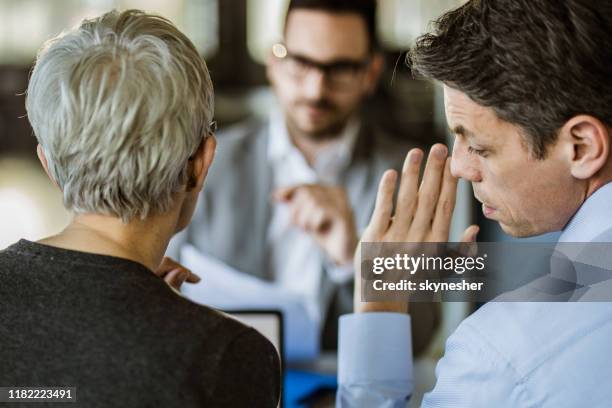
x: 340, y: 152
x: 592, y: 218
x: 279, y: 143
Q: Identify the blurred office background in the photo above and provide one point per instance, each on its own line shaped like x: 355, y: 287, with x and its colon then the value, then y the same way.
x: 234, y: 36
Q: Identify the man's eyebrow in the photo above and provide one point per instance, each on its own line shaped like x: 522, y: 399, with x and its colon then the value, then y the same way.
x: 460, y: 130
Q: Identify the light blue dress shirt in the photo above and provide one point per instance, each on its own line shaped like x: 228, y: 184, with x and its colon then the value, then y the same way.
x: 504, y: 355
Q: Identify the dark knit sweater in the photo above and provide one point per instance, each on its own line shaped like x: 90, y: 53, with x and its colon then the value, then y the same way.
x: 118, y: 333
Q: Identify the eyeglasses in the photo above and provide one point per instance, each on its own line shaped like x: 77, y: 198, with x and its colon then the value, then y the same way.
x: 212, y: 127
x: 339, y: 74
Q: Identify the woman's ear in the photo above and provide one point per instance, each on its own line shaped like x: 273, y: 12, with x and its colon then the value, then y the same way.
x: 590, y: 139
x: 201, y: 162
x: 43, y: 161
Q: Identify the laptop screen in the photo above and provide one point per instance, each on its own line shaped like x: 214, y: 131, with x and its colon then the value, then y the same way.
x: 268, y: 322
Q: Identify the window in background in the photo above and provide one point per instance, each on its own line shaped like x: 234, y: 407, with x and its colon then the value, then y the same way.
x: 30, y: 205
x: 400, y: 22
x: 26, y: 24
x: 265, y: 19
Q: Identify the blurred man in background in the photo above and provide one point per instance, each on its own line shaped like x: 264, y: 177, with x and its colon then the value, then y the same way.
x: 288, y: 197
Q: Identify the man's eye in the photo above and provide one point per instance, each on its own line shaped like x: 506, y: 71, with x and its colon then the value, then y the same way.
x: 479, y: 152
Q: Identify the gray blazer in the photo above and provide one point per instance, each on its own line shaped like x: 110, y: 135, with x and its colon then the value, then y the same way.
x: 233, y: 213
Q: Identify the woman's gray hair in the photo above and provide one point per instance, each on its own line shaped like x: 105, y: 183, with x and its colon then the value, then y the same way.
x: 119, y: 104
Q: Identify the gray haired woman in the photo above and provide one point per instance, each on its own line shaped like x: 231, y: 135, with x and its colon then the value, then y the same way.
x: 122, y: 108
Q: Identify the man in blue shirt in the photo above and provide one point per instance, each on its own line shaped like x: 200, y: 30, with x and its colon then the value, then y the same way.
x: 528, y: 97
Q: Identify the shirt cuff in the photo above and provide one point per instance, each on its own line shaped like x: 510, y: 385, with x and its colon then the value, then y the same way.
x: 375, y: 348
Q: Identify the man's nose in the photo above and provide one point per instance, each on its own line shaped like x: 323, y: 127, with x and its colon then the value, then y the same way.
x: 463, y: 164
x: 314, y: 85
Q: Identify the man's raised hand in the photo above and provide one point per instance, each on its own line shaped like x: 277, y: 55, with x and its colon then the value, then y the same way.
x: 423, y: 213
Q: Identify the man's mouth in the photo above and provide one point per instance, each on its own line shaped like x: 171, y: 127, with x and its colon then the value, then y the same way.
x: 314, y: 110
x: 487, y: 210
x: 322, y: 105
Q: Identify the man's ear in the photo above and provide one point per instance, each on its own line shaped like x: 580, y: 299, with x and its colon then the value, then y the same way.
x: 590, y: 140
x: 202, y: 160
x: 43, y: 160
x: 374, y: 71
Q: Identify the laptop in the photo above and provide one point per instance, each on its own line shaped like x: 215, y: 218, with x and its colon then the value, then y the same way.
x: 270, y: 324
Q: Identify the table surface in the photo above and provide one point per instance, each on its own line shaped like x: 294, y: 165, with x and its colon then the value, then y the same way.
x: 327, y: 363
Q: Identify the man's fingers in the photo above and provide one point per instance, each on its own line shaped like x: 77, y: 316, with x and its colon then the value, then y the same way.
x: 305, y: 217
x: 167, y: 265
x: 284, y: 193
x: 299, y: 210
x: 384, y: 204
x: 408, y: 189
x: 429, y: 191
x: 313, y: 208
x: 193, y: 278
x: 175, y: 274
x: 468, y: 246
x: 446, y: 204
x: 175, y: 278
x: 470, y: 233
x: 308, y: 216
x: 319, y: 220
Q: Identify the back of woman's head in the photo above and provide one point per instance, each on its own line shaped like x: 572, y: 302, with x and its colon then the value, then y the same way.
x: 119, y: 104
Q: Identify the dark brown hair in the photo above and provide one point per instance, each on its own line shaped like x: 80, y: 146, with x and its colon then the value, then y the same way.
x: 536, y: 63
x: 366, y: 9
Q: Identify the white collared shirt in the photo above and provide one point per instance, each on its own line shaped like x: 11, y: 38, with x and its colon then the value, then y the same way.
x: 296, y: 259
